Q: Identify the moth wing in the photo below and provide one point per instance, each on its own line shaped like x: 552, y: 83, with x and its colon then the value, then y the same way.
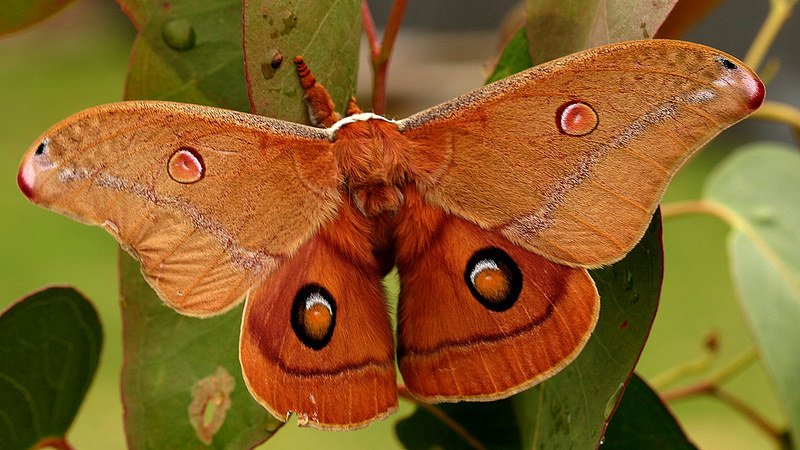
x: 578, y: 184
x: 248, y: 192
x: 480, y: 318
x: 316, y: 339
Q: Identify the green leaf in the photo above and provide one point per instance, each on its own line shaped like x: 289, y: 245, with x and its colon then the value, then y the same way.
x: 515, y: 57
x: 49, y: 349
x: 643, y: 421
x: 492, y: 424
x: 172, y: 362
x: 759, y: 191
x: 188, y: 51
x: 557, y: 28
x: 18, y: 14
x: 326, y: 33
x: 572, y: 409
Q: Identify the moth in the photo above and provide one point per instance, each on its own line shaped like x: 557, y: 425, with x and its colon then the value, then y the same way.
x: 492, y: 206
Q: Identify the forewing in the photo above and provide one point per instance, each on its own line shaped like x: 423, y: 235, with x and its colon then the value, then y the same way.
x: 579, y: 184
x: 247, y: 192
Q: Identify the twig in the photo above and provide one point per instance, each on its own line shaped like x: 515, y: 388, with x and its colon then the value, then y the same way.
x: 379, y: 55
x: 695, y: 366
x: 779, y: 12
x: 780, y: 112
x: 60, y: 443
x: 448, y: 421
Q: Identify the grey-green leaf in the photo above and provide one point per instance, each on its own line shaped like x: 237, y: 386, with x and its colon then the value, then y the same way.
x: 49, y: 350
x: 188, y: 51
x: 326, y: 33
x: 642, y: 421
x: 760, y: 190
x: 173, y: 365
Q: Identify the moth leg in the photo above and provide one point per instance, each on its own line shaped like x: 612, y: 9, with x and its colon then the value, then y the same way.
x: 321, y: 110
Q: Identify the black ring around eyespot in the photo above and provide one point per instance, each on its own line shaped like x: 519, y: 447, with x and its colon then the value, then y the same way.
x: 509, y: 268
x: 298, y: 317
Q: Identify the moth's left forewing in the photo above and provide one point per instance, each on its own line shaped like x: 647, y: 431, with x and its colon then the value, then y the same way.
x: 210, y: 201
x: 571, y: 158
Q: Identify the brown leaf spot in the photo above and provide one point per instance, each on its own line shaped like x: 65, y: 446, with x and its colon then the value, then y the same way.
x: 210, y: 401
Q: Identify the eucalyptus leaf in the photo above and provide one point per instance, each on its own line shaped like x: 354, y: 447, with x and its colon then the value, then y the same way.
x: 172, y: 365
x: 557, y: 28
x: 643, y: 421
x: 49, y: 350
x: 491, y: 424
x: 759, y: 190
x: 188, y: 51
x: 327, y: 34
x: 16, y: 15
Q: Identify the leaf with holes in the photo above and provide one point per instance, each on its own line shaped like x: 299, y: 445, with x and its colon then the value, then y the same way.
x: 49, y: 349
x: 759, y: 192
x: 557, y: 28
x: 327, y: 35
x: 179, y: 368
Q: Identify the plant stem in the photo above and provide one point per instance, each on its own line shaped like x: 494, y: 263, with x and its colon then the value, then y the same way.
x: 448, y: 421
x: 780, y: 112
x: 58, y: 443
x: 716, y: 379
x: 379, y: 55
x: 779, y: 12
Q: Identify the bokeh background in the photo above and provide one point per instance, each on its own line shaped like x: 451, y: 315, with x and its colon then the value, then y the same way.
x: 79, y: 58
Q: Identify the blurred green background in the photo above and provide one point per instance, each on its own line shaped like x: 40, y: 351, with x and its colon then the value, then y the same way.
x: 79, y: 59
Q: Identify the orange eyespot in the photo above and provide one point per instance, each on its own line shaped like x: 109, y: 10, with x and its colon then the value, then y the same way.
x: 313, y: 316
x: 317, y: 320
x: 492, y: 284
x: 493, y: 278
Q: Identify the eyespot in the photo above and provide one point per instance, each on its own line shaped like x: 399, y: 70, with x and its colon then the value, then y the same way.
x: 576, y: 118
x: 313, y: 316
x: 186, y: 166
x: 42, y: 148
x: 493, y: 278
x: 727, y: 63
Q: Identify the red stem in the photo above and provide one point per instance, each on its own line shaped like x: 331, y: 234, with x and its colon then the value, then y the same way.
x: 380, y: 55
x: 59, y: 443
x: 370, y: 31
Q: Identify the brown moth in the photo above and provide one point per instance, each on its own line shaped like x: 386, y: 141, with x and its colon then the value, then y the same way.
x: 492, y: 206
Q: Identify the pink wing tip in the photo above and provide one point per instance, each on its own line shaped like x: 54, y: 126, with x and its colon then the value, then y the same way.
x: 25, y: 180
x: 757, y: 93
